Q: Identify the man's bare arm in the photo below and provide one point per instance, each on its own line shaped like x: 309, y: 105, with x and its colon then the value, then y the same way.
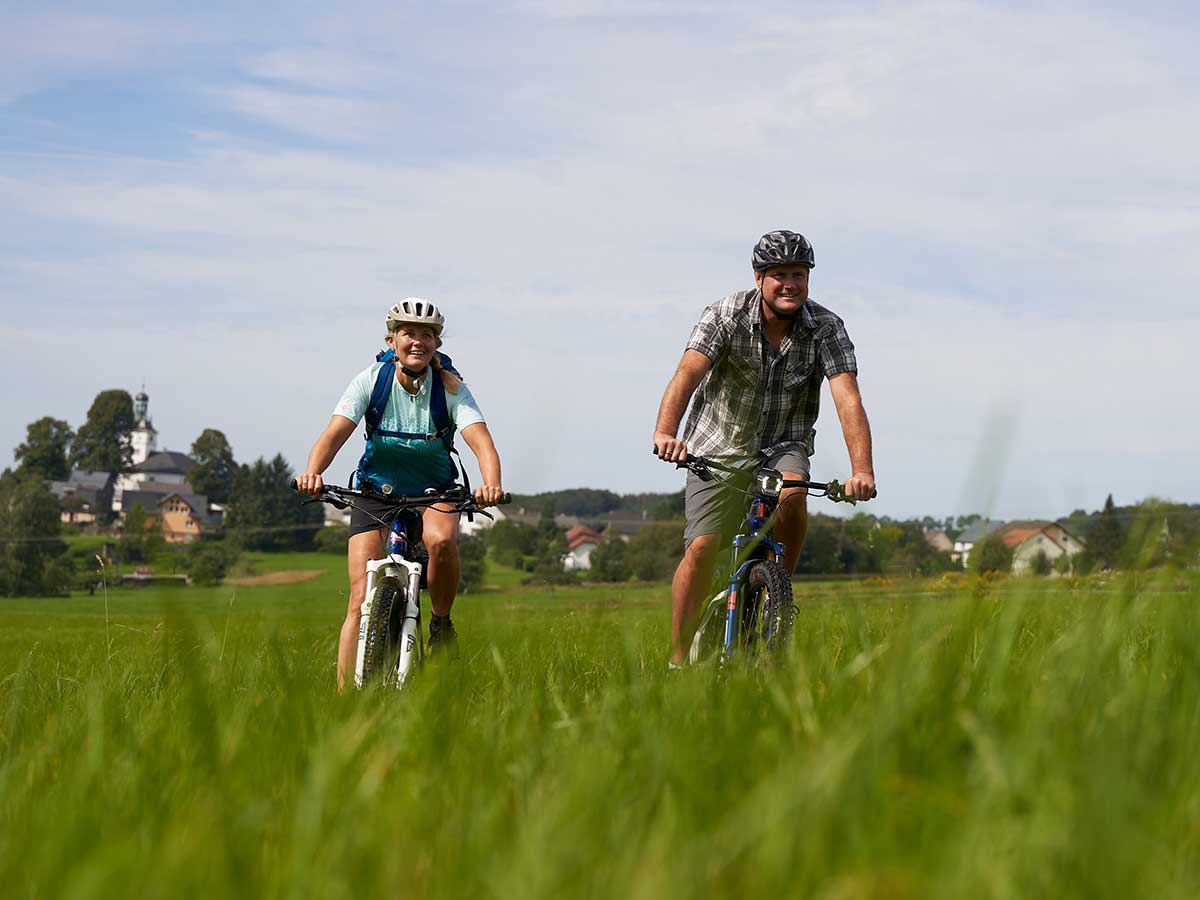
x: 692, y: 368
x: 857, y: 431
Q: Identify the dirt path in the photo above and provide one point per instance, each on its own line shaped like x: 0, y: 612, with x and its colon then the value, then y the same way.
x: 278, y: 577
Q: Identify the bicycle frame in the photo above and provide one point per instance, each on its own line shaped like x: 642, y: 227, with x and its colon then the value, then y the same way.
x: 754, y: 543
x: 759, y: 544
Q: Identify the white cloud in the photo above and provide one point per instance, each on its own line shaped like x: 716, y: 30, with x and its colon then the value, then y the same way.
x: 1004, y: 204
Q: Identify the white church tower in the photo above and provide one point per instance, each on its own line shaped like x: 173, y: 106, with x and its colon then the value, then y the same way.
x: 143, y: 438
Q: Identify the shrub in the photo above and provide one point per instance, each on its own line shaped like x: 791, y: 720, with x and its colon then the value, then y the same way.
x: 473, y: 564
x: 332, y: 538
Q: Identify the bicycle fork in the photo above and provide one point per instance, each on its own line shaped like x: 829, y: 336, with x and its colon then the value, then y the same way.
x: 405, y: 576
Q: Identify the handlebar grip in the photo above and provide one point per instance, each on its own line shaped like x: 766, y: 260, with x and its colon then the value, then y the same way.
x: 294, y: 485
x: 506, y: 497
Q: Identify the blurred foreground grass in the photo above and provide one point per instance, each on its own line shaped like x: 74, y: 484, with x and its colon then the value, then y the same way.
x: 1033, y: 739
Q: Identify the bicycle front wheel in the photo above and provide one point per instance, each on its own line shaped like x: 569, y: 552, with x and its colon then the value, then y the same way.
x: 770, y: 599
x: 376, y: 633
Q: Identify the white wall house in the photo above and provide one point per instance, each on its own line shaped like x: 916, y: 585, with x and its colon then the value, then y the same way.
x: 581, y: 541
x: 1029, y: 539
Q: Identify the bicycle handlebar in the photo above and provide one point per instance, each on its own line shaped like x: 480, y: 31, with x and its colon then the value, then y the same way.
x: 463, y: 502
x: 701, y: 466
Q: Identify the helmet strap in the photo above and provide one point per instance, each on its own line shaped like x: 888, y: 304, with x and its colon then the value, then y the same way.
x: 411, y: 374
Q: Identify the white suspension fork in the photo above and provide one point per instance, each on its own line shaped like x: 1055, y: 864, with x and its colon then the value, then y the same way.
x: 405, y: 576
x: 411, y: 651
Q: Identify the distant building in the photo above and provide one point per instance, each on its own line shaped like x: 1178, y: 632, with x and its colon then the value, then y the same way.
x: 970, y: 537
x: 481, y: 523
x: 581, y: 541
x: 939, y: 540
x: 143, y: 438
x: 163, y: 471
x: 1031, y: 538
x: 185, y: 517
x: 84, y: 496
x: 625, y: 523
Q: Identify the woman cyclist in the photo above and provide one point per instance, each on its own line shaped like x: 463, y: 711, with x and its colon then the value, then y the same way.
x: 406, y: 455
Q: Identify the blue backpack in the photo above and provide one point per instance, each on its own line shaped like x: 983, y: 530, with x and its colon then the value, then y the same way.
x: 443, y: 427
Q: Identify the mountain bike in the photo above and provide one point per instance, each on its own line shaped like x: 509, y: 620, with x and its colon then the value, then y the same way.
x: 389, y: 631
x: 754, y: 609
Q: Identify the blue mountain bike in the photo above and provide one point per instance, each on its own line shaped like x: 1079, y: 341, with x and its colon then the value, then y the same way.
x: 753, y: 610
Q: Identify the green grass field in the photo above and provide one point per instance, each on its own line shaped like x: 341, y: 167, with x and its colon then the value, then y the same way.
x: 1034, y: 739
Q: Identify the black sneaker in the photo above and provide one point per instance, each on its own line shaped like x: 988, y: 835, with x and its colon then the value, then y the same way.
x: 442, y: 636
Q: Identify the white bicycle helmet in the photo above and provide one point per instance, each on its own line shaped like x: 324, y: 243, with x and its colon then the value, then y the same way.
x: 415, y: 311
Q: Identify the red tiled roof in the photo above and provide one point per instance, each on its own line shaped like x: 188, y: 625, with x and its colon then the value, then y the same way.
x: 589, y: 537
x: 1018, y: 536
x: 581, y: 531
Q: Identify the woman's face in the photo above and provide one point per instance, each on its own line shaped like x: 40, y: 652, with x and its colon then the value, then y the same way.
x: 414, y: 345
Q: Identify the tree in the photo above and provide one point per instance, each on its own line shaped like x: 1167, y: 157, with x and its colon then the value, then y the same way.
x: 209, y: 559
x: 654, y: 551
x: 265, y: 513
x: 44, y: 452
x: 102, y: 442
x: 29, y: 536
x: 141, y: 536
x: 215, y: 467
x: 608, y: 559
x: 990, y: 555
x: 669, y: 508
x: 332, y: 539
x: 1106, y: 539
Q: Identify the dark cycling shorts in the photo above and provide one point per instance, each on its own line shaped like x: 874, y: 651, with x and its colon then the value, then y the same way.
x: 361, y: 522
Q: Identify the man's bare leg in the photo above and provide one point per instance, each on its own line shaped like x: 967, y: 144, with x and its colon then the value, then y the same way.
x: 791, y: 521
x: 692, y: 578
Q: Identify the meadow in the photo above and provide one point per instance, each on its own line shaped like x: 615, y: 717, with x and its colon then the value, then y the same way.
x: 1029, y: 738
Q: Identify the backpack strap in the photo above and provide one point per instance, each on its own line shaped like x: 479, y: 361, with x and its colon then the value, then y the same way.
x: 382, y: 390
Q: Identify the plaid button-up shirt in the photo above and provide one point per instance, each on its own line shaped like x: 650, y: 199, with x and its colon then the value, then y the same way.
x: 753, y: 398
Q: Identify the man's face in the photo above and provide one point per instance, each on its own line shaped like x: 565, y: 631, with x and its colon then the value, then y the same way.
x: 784, y: 289
x: 414, y: 345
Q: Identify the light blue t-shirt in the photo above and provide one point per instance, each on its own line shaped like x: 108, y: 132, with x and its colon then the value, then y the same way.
x: 410, y: 465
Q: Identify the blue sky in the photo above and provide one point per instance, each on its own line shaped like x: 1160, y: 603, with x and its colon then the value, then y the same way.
x: 1004, y: 202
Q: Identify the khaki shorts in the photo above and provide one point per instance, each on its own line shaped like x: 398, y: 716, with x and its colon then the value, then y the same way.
x: 714, y: 508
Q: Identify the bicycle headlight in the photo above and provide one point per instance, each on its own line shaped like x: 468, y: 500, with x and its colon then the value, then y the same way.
x: 770, y: 482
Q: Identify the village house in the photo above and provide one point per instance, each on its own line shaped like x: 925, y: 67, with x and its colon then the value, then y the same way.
x: 581, y: 541
x: 939, y: 540
x: 971, y: 536
x: 83, y: 496
x: 1030, y: 539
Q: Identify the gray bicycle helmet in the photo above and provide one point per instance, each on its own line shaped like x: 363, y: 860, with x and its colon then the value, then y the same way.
x: 415, y: 311
x: 782, y: 248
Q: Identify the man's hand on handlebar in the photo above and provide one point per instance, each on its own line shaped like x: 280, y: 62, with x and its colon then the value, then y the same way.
x: 489, y: 495
x: 669, y: 448
x: 860, y: 486
x: 310, y: 483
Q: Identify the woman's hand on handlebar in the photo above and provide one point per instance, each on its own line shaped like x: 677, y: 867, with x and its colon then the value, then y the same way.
x: 310, y: 483
x: 489, y: 495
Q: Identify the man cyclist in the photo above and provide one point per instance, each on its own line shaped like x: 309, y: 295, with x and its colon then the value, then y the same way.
x: 406, y: 453
x: 754, y: 364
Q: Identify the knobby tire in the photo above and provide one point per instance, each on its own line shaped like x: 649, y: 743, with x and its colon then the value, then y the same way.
x: 376, y: 653
x: 770, y: 591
